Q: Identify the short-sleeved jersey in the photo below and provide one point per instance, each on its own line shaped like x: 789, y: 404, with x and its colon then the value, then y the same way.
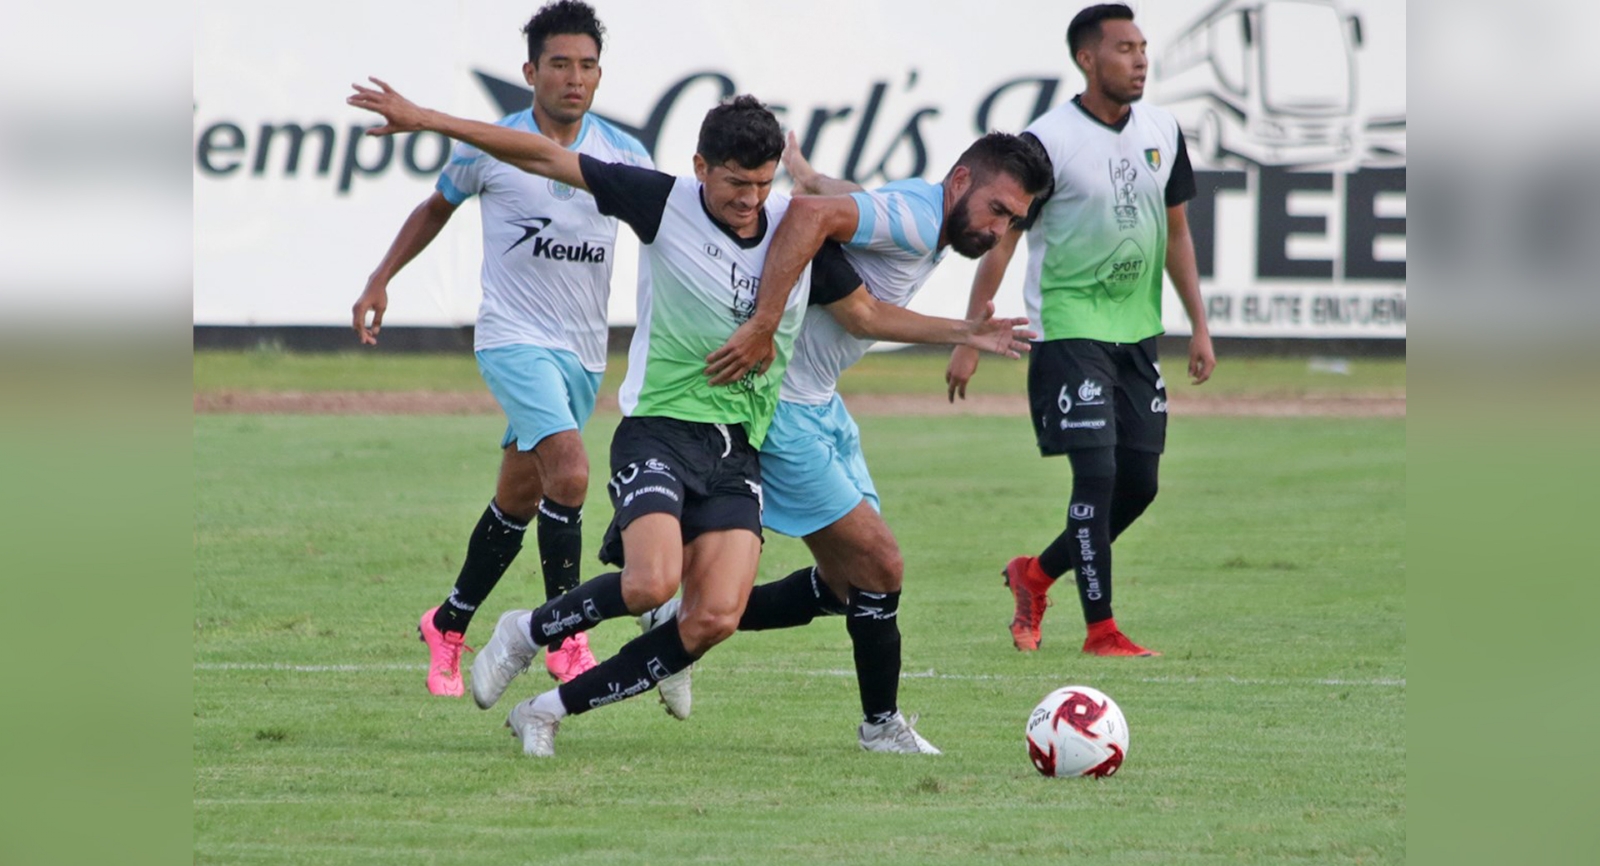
x: 894, y: 249
x: 547, y: 252
x: 1098, y: 246
x: 698, y: 283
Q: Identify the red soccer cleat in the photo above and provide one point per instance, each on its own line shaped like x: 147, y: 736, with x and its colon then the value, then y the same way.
x: 1029, y: 587
x: 1105, y: 639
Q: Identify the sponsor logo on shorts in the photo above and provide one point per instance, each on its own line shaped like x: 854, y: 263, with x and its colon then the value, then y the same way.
x: 654, y: 465
x: 650, y: 488
x: 1158, y: 405
x: 1080, y: 511
x: 1091, y: 424
x: 1089, y: 393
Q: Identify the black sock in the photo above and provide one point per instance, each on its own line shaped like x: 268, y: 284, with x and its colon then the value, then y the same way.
x: 593, y: 602
x: 494, y: 543
x: 560, y: 531
x: 636, y: 668
x: 1137, y: 482
x: 1085, y: 546
x: 793, y: 601
x: 874, y: 625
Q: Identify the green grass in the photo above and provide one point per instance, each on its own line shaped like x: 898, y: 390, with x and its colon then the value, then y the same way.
x: 878, y: 373
x: 1270, y: 571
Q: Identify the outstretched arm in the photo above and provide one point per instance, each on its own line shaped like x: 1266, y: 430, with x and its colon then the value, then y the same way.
x: 869, y: 318
x: 809, y: 221
x: 809, y: 181
x: 985, y: 283
x: 1186, y: 279
x: 529, y: 151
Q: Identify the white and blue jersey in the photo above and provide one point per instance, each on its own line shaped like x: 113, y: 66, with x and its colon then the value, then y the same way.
x: 547, y: 250
x: 812, y: 468
x: 895, y: 249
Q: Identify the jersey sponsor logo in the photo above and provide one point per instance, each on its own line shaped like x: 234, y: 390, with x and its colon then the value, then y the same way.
x: 744, y: 288
x: 1123, y: 271
x: 1125, y: 206
x: 530, y: 226
x: 551, y: 249
x: 1152, y: 158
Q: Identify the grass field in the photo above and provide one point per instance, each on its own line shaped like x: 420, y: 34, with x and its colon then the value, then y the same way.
x: 1270, y: 571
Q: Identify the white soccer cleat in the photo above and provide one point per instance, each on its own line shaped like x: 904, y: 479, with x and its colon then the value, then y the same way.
x: 536, y: 730
x: 508, y: 653
x: 896, y: 735
x: 674, y: 690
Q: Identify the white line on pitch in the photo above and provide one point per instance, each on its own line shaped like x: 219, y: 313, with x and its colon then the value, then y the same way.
x: 825, y: 672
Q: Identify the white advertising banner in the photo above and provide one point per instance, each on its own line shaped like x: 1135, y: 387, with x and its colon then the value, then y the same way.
x: 1294, y: 112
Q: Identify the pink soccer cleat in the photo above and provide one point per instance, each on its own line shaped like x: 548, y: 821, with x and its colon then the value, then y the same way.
x: 444, y: 657
x: 571, y: 659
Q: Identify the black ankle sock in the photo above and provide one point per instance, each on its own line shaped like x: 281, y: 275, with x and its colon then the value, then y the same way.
x: 874, y: 625
x: 593, y: 602
x: 560, y: 531
x: 1086, y: 545
x: 793, y: 601
x: 636, y: 668
x: 494, y: 544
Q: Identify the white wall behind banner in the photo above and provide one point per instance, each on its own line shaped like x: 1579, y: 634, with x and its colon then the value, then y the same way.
x: 1294, y: 111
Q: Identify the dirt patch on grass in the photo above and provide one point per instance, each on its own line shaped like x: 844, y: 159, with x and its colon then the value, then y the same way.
x: 1356, y: 405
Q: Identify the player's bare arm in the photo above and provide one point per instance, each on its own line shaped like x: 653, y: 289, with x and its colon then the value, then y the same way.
x: 529, y: 151
x: 1186, y: 279
x: 869, y: 318
x: 985, y: 283
x: 809, y: 181
x: 419, y: 230
x: 809, y: 221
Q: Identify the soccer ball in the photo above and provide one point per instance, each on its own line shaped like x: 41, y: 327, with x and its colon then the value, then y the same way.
x: 1077, y: 731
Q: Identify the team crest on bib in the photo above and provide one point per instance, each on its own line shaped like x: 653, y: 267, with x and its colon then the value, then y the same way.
x: 1153, y: 157
x: 562, y: 191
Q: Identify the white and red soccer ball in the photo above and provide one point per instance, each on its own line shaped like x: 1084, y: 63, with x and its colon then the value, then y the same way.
x: 1077, y: 731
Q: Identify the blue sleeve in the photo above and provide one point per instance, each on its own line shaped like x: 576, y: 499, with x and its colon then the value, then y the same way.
x: 462, y: 177
x: 903, y: 217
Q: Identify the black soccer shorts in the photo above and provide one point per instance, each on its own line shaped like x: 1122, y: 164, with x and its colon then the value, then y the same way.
x: 1090, y: 394
x: 705, y: 475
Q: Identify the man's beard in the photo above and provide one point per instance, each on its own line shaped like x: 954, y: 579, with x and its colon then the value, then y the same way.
x: 963, y: 239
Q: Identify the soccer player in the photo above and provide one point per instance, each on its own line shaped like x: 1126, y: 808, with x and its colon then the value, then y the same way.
x: 685, y: 480
x: 1093, y: 285
x: 541, y: 334
x: 814, y: 475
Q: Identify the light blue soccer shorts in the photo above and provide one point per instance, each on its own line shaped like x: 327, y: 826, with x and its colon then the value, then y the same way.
x: 542, y: 391
x: 812, y: 469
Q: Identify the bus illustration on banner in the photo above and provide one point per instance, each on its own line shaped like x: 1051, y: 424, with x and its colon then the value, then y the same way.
x: 1270, y: 82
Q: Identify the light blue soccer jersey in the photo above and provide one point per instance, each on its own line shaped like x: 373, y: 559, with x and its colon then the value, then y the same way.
x: 895, y: 249
x: 547, y: 251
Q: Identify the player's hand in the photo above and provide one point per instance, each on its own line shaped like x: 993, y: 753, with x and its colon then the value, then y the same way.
x: 1202, y: 358
x: 1008, y: 337
x: 963, y: 363
x: 800, y: 171
x: 374, y: 301
x: 402, y: 114
x: 750, y: 347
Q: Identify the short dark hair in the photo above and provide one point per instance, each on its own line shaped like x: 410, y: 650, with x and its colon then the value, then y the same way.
x: 1085, y: 26
x: 740, y: 129
x: 562, y: 18
x: 1020, y: 156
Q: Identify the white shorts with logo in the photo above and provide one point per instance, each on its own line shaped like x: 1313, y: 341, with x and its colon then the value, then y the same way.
x: 812, y: 468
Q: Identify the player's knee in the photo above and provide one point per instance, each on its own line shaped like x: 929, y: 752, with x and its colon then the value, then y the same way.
x: 885, y: 571
x: 646, y: 587
x: 702, y: 629
x: 568, y: 486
